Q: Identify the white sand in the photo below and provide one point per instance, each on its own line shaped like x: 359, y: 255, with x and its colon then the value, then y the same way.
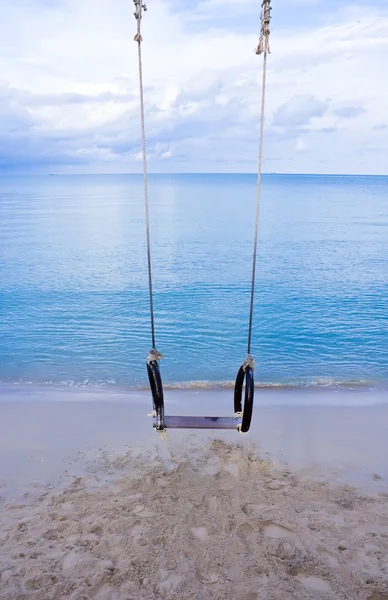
x: 190, y: 519
x: 225, y: 525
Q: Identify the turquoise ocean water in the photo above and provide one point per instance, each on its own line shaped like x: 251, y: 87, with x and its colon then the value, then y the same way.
x: 74, y: 308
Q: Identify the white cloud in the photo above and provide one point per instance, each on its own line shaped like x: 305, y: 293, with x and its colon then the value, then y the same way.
x: 69, y: 89
x: 167, y: 153
x: 299, y: 111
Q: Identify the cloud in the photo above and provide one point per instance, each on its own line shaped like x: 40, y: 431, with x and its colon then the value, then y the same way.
x: 69, y: 86
x: 349, y: 112
x: 329, y: 129
x: 299, y: 110
x: 300, y: 145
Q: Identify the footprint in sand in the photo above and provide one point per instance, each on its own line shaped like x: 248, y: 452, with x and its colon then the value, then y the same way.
x: 254, y: 509
x: 330, y: 556
x: 274, y: 530
x: 168, y: 580
x: 200, y: 533
x: 285, y: 550
x: 143, y: 512
x: 313, y: 583
x: 208, y: 577
x: 75, y: 562
x: 137, y: 529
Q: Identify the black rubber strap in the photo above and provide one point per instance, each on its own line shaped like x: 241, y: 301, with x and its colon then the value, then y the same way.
x: 247, y: 375
x: 157, y: 392
x: 238, y: 390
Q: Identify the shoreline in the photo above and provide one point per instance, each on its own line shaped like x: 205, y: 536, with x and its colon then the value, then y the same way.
x: 339, y: 433
x: 370, y: 392
x: 317, y: 383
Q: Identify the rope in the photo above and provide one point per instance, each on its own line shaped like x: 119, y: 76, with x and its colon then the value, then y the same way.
x: 139, y: 7
x: 264, y: 48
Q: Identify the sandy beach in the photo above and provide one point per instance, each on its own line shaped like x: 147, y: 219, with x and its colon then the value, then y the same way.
x: 94, y: 505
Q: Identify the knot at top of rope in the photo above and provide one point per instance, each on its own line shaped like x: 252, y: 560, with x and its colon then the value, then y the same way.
x: 154, y: 355
x: 265, y: 28
x: 139, y: 7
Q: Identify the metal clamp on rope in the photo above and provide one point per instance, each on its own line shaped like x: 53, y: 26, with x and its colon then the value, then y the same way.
x: 245, y: 374
x: 156, y: 388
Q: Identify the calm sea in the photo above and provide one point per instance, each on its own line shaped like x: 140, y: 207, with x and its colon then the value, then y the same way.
x: 74, y: 308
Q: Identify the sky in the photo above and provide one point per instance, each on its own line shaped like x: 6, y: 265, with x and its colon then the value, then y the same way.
x: 69, y: 92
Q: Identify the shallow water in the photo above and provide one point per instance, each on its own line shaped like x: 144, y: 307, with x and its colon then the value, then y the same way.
x: 48, y: 435
x: 73, y: 282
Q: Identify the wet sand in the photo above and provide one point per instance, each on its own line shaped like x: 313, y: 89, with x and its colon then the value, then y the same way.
x: 94, y: 505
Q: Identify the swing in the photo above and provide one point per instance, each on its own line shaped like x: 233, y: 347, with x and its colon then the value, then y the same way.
x: 242, y: 412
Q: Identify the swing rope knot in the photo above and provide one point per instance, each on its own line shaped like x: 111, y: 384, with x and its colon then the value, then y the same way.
x: 139, y: 7
x: 154, y: 355
x: 249, y: 362
x: 265, y: 28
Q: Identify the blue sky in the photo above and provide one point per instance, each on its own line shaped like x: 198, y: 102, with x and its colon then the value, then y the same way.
x: 69, y: 89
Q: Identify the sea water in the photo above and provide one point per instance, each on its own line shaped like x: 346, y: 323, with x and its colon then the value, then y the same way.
x: 74, y: 300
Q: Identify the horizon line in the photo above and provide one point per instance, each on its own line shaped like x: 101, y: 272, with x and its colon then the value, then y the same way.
x: 139, y: 174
